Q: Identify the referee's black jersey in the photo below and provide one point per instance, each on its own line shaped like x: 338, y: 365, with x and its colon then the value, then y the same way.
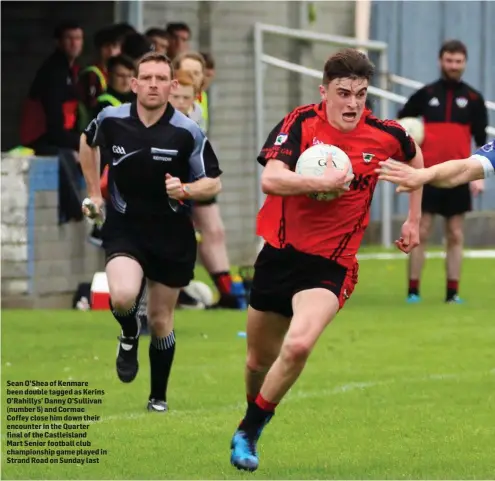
x: 141, y: 156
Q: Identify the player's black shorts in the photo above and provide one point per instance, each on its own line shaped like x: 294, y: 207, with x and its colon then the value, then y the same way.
x: 206, y: 202
x: 166, y: 255
x: 279, y: 274
x: 446, y: 202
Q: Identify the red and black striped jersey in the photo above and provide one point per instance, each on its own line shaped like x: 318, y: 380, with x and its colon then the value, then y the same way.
x: 453, y: 113
x: 330, y: 229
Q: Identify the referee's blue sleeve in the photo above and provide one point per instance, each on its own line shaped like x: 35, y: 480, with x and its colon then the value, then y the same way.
x: 486, y: 155
x: 203, y: 160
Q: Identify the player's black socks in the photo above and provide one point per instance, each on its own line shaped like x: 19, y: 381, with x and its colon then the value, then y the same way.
x: 162, y: 350
x: 258, y: 414
x: 250, y: 399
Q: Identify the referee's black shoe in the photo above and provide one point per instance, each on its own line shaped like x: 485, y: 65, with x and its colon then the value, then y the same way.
x: 127, y: 358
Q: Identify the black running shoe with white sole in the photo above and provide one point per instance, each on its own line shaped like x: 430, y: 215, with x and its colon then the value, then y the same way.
x: 127, y: 358
x: 157, y: 406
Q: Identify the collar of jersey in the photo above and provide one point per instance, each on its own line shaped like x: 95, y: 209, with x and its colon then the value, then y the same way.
x: 164, y: 119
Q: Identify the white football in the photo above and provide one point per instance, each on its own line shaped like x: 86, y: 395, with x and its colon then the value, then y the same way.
x: 313, y: 161
x: 200, y: 291
x: 414, y: 127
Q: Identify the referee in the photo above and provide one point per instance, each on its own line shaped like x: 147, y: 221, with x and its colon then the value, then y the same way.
x: 453, y: 113
x: 161, y: 162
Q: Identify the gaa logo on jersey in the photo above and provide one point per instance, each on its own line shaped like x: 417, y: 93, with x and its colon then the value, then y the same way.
x: 281, y: 138
x: 461, y: 102
x: 118, y: 149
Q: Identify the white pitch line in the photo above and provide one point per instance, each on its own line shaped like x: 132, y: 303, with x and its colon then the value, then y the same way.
x: 389, y: 256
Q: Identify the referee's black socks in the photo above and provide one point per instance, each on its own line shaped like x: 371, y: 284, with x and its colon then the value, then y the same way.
x: 162, y: 350
x: 129, y: 320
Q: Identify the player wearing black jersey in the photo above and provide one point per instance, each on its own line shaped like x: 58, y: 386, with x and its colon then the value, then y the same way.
x: 161, y: 162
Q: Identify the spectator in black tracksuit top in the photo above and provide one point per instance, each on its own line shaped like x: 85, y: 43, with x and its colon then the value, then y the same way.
x: 50, y: 113
x: 49, y: 117
x: 453, y: 113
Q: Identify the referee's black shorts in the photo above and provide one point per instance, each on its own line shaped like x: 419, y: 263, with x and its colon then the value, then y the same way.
x: 166, y: 253
x: 446, y: 202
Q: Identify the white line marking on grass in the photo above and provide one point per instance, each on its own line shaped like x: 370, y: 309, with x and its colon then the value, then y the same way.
x: 390, y: 256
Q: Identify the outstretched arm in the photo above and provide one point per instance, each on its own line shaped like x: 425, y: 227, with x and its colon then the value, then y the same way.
x: 449, y: 174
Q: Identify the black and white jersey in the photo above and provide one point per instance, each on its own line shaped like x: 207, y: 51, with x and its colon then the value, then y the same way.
x: 141, y: 156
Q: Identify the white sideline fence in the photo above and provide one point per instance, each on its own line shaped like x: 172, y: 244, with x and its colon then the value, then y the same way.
x: 385, y: 96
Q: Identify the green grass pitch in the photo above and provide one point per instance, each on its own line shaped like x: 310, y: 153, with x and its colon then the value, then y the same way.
x: 392, y: 391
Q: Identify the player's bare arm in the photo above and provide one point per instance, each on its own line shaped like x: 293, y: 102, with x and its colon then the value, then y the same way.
x: 415, y: 199
x: 278, y: 179
x: 446, y: 175
x: 456, y: 172
x: 410, y: 229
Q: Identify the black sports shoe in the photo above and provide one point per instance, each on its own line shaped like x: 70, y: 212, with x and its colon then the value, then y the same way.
x: 127, y: 358
x: 157, y: 406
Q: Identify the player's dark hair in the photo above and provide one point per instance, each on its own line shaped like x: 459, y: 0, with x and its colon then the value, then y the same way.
x: 156, y: 32
x: 348, y: 63
x: 155, y: 57
x: 63, y: 27
x: 174, y: 27
x: 209, y: 60
x: 453, y: 46
x: 114, y: 62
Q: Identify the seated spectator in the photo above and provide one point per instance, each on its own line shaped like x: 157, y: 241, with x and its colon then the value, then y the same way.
x: 209, y: 69
x: 159, y: 38
x: 120, y: 72
x: 203, y: 97
x: 50, y: 111
x: 206, y: 214
x: 183, y: 96
x: 179, y: 36
x: 49, y: 117
x: 193, y: 63
x: 93, y: 79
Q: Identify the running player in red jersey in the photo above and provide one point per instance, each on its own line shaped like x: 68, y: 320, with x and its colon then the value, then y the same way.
x: 308, y: 268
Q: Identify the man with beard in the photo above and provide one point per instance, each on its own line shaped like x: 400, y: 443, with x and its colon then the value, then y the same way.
x: 453, y: 113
